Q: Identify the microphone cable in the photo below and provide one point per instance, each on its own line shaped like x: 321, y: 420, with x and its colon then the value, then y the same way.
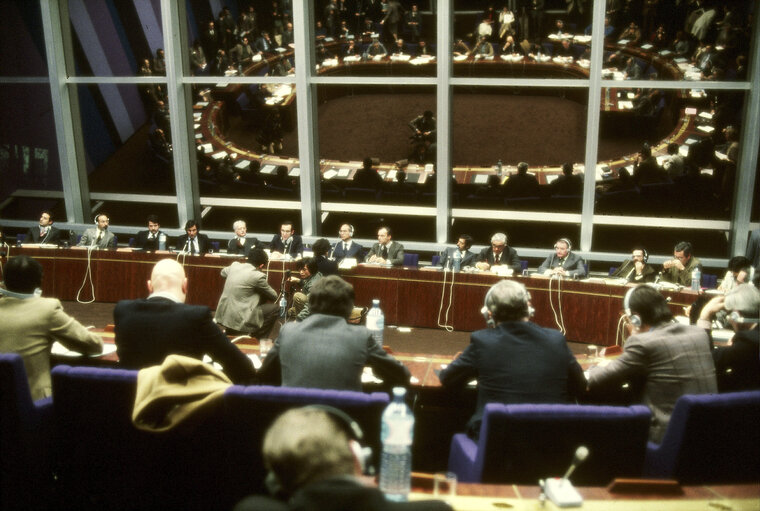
x: 620, y: 331
x: 445, y: 325
x: 87, y: 274
x: 558, y: 320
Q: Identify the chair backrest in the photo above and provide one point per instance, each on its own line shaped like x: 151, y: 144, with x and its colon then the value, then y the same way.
x: 711, y: 438
x: 524, y: 443
x: 709, y: 281
x: 434, y: 260
x: 613, y: 269
x: 411, y: 259
x: 523, y: 264
x: 20, y: 238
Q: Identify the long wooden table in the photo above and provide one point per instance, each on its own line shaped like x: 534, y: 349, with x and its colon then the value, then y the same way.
x: 589, y: 310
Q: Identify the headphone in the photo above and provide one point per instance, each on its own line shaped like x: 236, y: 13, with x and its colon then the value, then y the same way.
x: 644, y: 251
x: 486, y: 312
x: 565, y: 240
x: 95, y: 220
x: 355, y: 435
x: 22, y: 296
x: 737, y: 317
x: 350, y: 229
x: 635, y: 319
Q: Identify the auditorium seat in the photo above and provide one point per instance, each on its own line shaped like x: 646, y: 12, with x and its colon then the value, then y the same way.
x: 435, y: 260
x: 527, y: 442
x: 711, y: 438
x: 20, y: 238
x: 709, y: 281
x: 412, y: 260
x: 25, y: 434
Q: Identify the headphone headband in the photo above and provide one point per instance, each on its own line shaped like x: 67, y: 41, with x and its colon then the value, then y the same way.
x: 564, y: 240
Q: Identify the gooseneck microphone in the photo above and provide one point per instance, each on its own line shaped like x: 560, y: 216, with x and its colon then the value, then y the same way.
x: 560, y: 490
x: 581, y: 453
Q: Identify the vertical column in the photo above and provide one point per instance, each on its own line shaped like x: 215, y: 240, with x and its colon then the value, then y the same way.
x: 443, y: 119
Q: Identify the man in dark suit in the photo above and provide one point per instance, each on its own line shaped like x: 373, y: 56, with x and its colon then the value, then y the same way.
x: 563, y: 262
x: 499, y: 254
x: 385, y: 251
x: 347, y: 247
x: 151, y: 239
x: 367, y: 177
x: 147, y: 330
x: 193, y: 242
x: 241, y: 244
x: 324, y: 351
x: 515, y: 361
x: 522, y: 184
x: 46, y: 233
x: 287, y: 243
x: 464, y: 243
x: 636, y: 268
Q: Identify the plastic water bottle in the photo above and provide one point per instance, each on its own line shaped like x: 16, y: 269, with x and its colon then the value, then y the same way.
x: 376, y: 322
x: 457, y: 258
x: 396, y: 459
x: 283, y: 306
x: 162, y: 241
x: 500, y: 168
x: 696, y: 280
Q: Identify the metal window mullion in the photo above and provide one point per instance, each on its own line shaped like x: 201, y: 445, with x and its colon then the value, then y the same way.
x: 443, y: 123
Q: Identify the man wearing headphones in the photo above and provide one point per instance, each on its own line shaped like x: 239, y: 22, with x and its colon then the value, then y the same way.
x: 31, y: 324
x: 673, y: 359
x: 515, y: 361
x: 636, y: 268
x: 99, y: 236
x: 737, y: 366
x: 347, y: 247
x: 563, y: 262
x: 315, y: 459
x: 678, y: 270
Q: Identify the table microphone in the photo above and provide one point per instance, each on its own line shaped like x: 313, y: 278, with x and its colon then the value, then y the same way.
x: 560, y: 490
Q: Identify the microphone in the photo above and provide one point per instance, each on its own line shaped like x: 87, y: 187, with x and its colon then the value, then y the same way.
x: 287, y: 274
x: 187, y: 243
x: 560, y: 490
x: 581, y: 453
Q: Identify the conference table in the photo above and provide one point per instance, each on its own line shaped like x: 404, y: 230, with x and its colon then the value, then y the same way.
x: 589, y: 311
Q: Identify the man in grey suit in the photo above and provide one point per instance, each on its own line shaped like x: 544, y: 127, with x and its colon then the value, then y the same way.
x: 324, y: 351
x: 241, y: 308
x: 464, y: 243
x: 674, y: 359
x: 563, y: 262
x: 386, y: 251
x: 99, y: 236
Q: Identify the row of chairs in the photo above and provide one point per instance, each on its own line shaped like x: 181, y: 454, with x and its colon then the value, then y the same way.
x: 81, y: 446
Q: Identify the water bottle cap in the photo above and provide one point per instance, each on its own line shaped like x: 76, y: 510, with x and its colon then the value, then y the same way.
x: 376, y: 301
x: 399, y: 392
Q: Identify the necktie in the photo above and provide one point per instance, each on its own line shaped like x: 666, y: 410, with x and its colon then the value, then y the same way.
x: 100, y: 236
x: 345, y: 248
x: 497, y: 259
x: 384, y: 253
x: 193, y: 249
x: 561, y: 262
x: 43, y: 232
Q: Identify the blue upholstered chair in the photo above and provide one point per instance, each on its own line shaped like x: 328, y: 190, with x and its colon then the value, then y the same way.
x: 711, y: 438
x: 709, y: 281
x: 524, y: 443
x: 412, y: 260
x: 25, y: 434
x: 435, y: 260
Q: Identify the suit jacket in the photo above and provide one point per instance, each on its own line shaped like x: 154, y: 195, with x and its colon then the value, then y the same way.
x: 142, y: 241
x: 29, y: 328
x: 675, y: 360
x: 753, y: 249
x: 245, y: 288
x: 90, y: 236
x: 508, y: 257
x: 627, y: 271
x: 516, y: 362
x: 295, y: 247
x: 204, y: 245
x: 469, y: 258
x: 52, y: 237
x: 326, y: 352
x: 737, y: 367
x: 233, y: 247
x: 395, y: 253
x: 149, y: 329
x: 354, y: 250
x: 573, y: 265
x: 682, y: 277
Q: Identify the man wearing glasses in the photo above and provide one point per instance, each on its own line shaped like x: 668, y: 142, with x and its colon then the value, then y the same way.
x: 678, y: 270
x: 499, y: 254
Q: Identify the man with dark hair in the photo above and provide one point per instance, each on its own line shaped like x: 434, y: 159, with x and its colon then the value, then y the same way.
x: 242, y: 308
x: 30, y: 324
x: 646, y: 170
x: 325, y: 266
x: 423, y: 127
x: 46, y: 233
x: 150, y: 239
x: 99, y: 236
x: 522, y: 184
x: 464, y: 243
x: 287, y: 242
x: 679, y: 269
x: 568, y: 183
x: 308, y: 275
x: 347, y: 247
x: 499, y: 254
x: 636, y: 268
x: 673, y: 359
x: 241, y: 243
x: 193, y: 242
x: 563, y: 262
x: 367, y: 176
x: 386, y: 251
x: 515, y: 361
x: 324, y: 351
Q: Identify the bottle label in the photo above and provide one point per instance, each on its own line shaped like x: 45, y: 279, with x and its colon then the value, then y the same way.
x: 372, y: 322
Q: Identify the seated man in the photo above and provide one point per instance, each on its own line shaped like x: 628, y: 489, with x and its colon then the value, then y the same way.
x: 636, y: 268
x: 30, y: 324
x: 242, y: 308
x: 737, y: 365
x: 568, y: 183
x: 483, y: 48
x: 385, y: 251
x: 679, y: 269
x: 324, y: 351
x: 193, y: 242
x: 674, y: 359
x: 469, y: 258
x: 460, y: 48
x: 496, y: 256
x: 99, y: 236
x: 399, y: 48
x: 347, y: 247
x: 241, y: 244
x: 308, y: 275
x: 150, y: 239
x: 423, y: 127
x: 325, y: 266
x: 376, y: 49
x: 514, y: 361
x: 740, y: 271
x: 287, y: 243
x: 46, y: 234
x: 522, y: 184
x: 563, y: 262
x: 315, y: 461
x: 367, y: 177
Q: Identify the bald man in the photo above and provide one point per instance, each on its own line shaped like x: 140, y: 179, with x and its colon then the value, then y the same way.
x: 149, y: 329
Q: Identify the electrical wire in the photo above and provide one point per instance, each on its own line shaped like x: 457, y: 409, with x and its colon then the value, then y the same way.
x: 87, y: 274
x: 445, y: 324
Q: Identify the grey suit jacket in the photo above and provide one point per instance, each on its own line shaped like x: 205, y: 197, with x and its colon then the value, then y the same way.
x: 675, y: 359
x: 325, y: 352
x: 91, y: 235
x: 395, y: 253
x: 574, y: 264
x: 244, y: 289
